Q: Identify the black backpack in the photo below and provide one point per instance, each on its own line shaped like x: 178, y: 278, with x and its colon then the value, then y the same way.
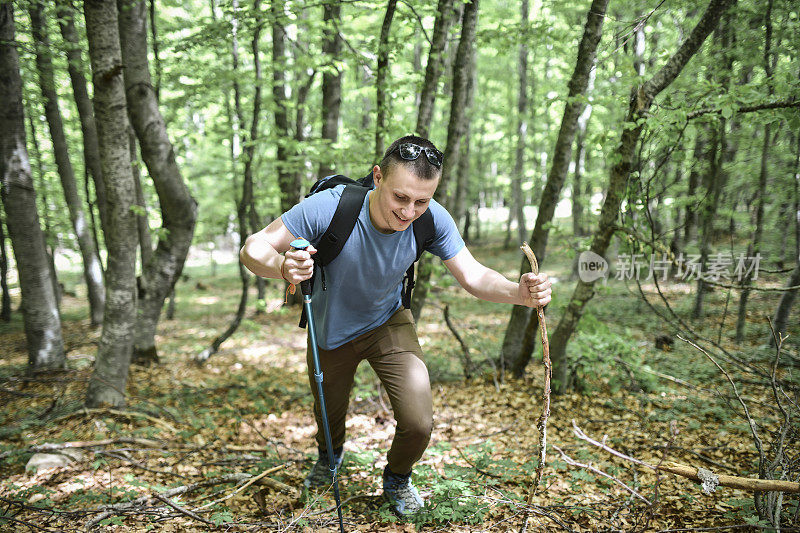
x: 344, y: 220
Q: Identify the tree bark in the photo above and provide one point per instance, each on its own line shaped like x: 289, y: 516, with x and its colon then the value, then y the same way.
x: 381, y: 79
x: 92, y: 270
x: 91, y: 152
x: 331, y: 81
x: 455, y: 131
x: 39, y: 310
x: 433, y: 69
x: 107, y: 384
x: 5, y: 308
x: 518, y: 348
x: 641, y: 98
x: 178, y: 208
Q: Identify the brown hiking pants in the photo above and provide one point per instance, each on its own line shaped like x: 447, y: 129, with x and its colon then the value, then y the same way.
x: 394, y: 353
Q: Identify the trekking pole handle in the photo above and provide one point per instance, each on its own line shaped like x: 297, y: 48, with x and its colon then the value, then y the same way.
x: 302, y: 244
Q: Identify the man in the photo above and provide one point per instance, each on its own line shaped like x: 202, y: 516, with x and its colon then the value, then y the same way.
x: 358, y: 313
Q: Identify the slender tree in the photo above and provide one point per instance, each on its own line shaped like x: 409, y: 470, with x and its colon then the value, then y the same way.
x: 5, y: 307
x: 433, y: 69
x: 455, y: 131
x: 39, y: 308
x: 92, y: 270
x: 518, y: 348
x: 641, y: 99
x: 517, y: 199
x: 246, y: 199
x: 75, y: 66
x: 754, y: 248
x: 107, y: 384
x: 331, y: 80
x: 381, y: 79
x: 178, y: 208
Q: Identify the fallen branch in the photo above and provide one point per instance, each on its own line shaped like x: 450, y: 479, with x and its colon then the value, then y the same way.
x: 734, y: 482
x: 116, y: 412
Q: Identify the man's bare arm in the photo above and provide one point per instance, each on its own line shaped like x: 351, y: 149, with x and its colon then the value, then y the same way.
x: 267, y: 254
x: 487, y: 284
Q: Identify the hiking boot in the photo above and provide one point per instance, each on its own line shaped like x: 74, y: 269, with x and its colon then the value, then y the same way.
x: 320, y: 474
x: 401, y: 493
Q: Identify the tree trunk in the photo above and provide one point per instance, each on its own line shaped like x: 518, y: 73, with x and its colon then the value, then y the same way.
x: 142, y: 218
x: 455, y: 130
x: 49, y: 236
x: 518, y: 348
x: 91, y: 152
x: 250, y: 150
x: 380, y: 79
x: 433, y: 69
x: 580, y: 162
x: 331, y: 82
x: 288, y: 181
x: 39, y: 310
x: 5, y: 308
x: 753, y: 249
x: 780, y: 320
x: 716, y: 177
x: 641, y: 98
x: 107, y: 385
x: 463, y: 172
x: 92, y: 271
x: 694, y: 180
x: 178, y: 208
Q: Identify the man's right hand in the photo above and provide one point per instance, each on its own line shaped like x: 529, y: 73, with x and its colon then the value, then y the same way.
x: 297, y: 265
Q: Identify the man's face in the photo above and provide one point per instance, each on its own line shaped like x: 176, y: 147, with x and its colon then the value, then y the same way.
x: 400, y: 197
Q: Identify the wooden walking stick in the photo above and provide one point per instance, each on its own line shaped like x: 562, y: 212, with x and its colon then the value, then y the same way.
x: 542, y: 422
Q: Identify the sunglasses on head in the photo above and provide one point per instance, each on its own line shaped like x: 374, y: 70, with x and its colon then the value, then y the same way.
x: 411, y: 151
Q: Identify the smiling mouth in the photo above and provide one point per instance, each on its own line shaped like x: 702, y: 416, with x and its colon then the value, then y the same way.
x: 401, y: 219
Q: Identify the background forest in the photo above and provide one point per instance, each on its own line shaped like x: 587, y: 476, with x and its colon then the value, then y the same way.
x: 649, y: 153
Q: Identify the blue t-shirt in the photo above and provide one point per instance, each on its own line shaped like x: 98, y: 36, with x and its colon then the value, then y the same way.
x: 364, y: 282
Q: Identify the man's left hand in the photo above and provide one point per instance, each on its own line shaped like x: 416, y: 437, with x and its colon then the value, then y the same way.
x: 534, y: 290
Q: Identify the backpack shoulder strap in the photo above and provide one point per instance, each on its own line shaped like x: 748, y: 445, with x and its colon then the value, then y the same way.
x: 341, y: 225
x: 424, y: 232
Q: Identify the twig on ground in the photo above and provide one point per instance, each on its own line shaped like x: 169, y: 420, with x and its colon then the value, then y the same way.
x: 184, y: 511
x: 569, y: 460
x: 249, y: 482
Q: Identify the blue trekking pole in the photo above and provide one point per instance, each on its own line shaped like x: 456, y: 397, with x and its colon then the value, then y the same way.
x: 305, y: 288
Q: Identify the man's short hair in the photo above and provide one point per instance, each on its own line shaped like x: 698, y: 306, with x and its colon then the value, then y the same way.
x: 421, y: 167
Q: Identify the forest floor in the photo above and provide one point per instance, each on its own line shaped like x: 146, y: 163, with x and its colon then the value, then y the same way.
x: 248, y: 410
